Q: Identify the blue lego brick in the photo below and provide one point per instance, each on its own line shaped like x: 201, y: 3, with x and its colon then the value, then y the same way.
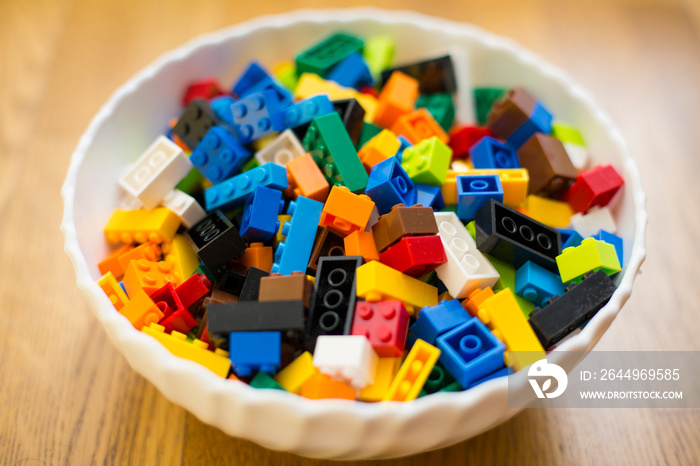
x: 389, y: 185
x: 540, y: 121
x: 491, y: 153
x: 470, y: 351
x: 475, y: 191
x: 294, y: 253
x: 405, y: 143
x: 610, y: 238
x: 222, y: 108
x: 537, y: 284
x: 429, y: 196
x: 259, y: 222
x: 235, y: 191
x: 252, y: 115
x: 219, y: 155
x: 123, y: 289
x: 569, y: 238
x: 255, y: 351
x: 433, y: 321
x: 351, y: 72
x: 256, y: 79
x: 505, y: 372
x: 302, y: 112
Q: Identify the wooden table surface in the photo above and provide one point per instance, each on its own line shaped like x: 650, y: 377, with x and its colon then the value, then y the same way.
x: 69, y: 397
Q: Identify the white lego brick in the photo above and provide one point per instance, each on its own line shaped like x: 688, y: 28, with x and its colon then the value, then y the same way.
x: 465, y: 111
x: 285, y: 148
x: 347, y: 358
x: 156, y: 172
x: 460, y: 166
x: 129, y: 202
x: 466, y: 268
x: 597, y: 218
x: 185, y: 207
x: 579, y: 156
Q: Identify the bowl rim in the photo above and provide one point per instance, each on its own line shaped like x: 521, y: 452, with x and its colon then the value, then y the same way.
x: 120, y: 330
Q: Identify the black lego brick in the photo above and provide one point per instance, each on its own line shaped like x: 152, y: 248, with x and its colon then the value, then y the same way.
x: 434, y: 75
x: 251, y: 286
x: 196, y: 120
x: 216, y: 241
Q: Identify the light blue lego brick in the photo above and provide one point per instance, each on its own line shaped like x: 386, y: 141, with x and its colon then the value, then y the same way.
x: 389, y: 185
x: 252, y: 115
x: 433, y: 321
x: 351, y: 72
x: 537, y: 284
x: 219, y: 155
x: 491, y: 153
x: 429, y: 196
x: 569, y: 238
x: 610, y: 238
x: 505, y: 372
x: 302, y: 112
x: 255, y: 351
x: 235, y: 191
x: 294, y: 253
x: 475, y: 191
x: 221, y: 106
x: 540, y: 121
x: 259, y: 222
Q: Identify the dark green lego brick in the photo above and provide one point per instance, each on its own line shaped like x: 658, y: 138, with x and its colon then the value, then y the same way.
x: 369, y: 130
x: 191, y: 183
x: 438, y: 379
x: 453, y: 387
x: 484, y: 97
x: 328, y: 142
x: 326, y: 54
x: 263, y: 380
x: 440, y: 106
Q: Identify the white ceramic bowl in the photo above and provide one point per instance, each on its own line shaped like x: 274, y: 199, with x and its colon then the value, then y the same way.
x: 139, y: 110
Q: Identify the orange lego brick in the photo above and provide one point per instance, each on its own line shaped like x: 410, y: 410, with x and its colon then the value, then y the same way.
x: 413, y: 372
x: 398, y: 97
x: 361, y: 243
x: 149, y: 251
x: 141, y: 310
x: 139, y: 226
x: 257, y: 255
x: 345, y: 212
x: 320, y: 386
x: 475, y: 298
x: 379, y: 148
x: 306, y: 179
x: 111, y: 262
x: 419, y: 125
x: 149, y: 276
x: 114, y: 292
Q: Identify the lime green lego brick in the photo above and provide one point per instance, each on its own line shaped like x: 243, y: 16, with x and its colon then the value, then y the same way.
x: 471, y: 228
x: 440, y: 106
x: 566, y: 133
x: 379, y: 54
x: 328, y: 142
x: 369, y: 130
x: 591, y: 255
x: 250, y: 164
x: 507, y: 280
x: 191, y: 183
x: 287, y: 75
x: 427, y: 162
x: 484, y: 97
x: 326, y: 54
x: 263, y: 380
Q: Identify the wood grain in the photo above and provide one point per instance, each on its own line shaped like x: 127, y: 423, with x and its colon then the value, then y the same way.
x: 69, y: 398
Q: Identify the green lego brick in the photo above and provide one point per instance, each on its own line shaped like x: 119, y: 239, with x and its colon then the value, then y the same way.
x: 369, y: 130
x: 566, y: 133
x: 471, y: 228
x: 191, y: 183
x: 453, y: 387
x: 427, y: 162
x: 438, y: 379
x: 449, y: 208
x: 263, y: 380
x: 325, y: 55
x: 484, y: 97
x: 201, y: 269
x: 440, y: 106
x: 507, y: 280
x: 589, y: 256
x: 379, y: 54
x: 250, y: 164
x: 328, y: 142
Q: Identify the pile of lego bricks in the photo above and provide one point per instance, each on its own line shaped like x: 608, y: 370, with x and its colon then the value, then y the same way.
x: 356, y: 240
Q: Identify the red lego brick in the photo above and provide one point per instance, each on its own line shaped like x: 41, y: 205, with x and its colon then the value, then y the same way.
x: 369, y: 90
x: 415, y: 255
x: 595, y: 187
x: 385, y: 325
x: 204, y: 89
x: 464, y: 137
x: 175, y: 314
x: 193, y: 289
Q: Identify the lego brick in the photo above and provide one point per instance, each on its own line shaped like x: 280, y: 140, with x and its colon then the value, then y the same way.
x: 221, y: 106
x: 503, y: 316
x: 470, y: 351
x: 597, y: 218
x: 537, y: 284
x: 333, y: 303
x: 294, y: 287
x: 327, y: 243
x: 255, y: 78
x: 184, y: 206
x: 440, y: 106
x: 251, y: 285
x: 114, y: 292
x: 294, y: 253
x: 175, y: 317
x: 235, y: 191
x: 361, y: 243
x: 413, y: 373
x: 463, y: 138
x: 384, y: 324
x: 379, y: 282
x: 257, y: 255
x: 491, y: 153
x: 549, y: 167
x: 429, y: 196
x: 148, y: 276
x: 345, y: 212
x: 389, y: 184
x: 264, y: 380
x: 515, y: 238
x: 259, y: 223
x: 347, y: 358
x: 141, y: 311
x: 595, y: 187
x: 398, y: 97
x: 507, y: 280
x: 250, y: 164
x: 255, y: 351
x: 216, y: 241
x: 474, y: 191
x: 427, y: 162
x: 579, y: 156
x: 232, y: 279
x: 566, y: 133
x: 181, y: 257
x: 352, y: 113
x: 149, y: 251
x: 333, y: 151
x: 193, y: 289
x: 352, y: 71
x: 466, y: 268
x: 403, y: 221
x: 279, y: 237
x: 252, y: 116
x: 475, y: 298
x: 415, y: 255
x: 203, y: 89
x: 610, y: 238
x: 419, y: 125
x: 471, y: 229
x: 484, y: 98
x: 438, y: 380
x: 139, y: 226
x: 302, y: 112
x: 591, y: 255
x: 216, y: 361
x: 286, y: 73
x: 306, y: 179
x: 219, y: 155
x: 385, y: 373
x: 514, y: 181
x: 381, y: 147
x: 434, y: 75
x: 369, y: 130
x: 328, y: 53
x: 569, y: 238
x: 311, y: 84
x: 435, y: 320
x: 111, y: 262
x: 570, y: 311
x: 553, y: 213
x: 320, y: 386
x: 296, y: 373
x: 195, y: 122
x: 518, y: 116
x: 378, y: 53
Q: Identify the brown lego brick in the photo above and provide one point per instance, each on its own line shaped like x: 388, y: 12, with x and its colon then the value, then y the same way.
x: 509, y: 113
x: 328, y: 243
x: 550, y: 169
x: 292, y: 287
x: 403, y: 221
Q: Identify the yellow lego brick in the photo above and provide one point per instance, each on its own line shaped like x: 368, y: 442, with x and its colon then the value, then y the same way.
x: 141, y: 310
x: 383, y: 376
x: 555, y: 214
x: 279, y: 237
x: 514, y: 181
x: 139, y: 226
x: 503, y: 316
x: 182, y: 257
x: 311, y: 84
x: 216, y: 361
x: 413, y: 372
x: 378, y: 282
x: 589, y: 256
x: 296, y: 373
x: 114, y: 292
x: 379, y: 148
x: 149, y: 276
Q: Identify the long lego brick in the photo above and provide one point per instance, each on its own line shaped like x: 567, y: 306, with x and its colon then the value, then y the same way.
x: 514, y: 181
x: 294, y: 253
x: 139, y: 226
x: 413, y: 372
x: 235, y: 191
